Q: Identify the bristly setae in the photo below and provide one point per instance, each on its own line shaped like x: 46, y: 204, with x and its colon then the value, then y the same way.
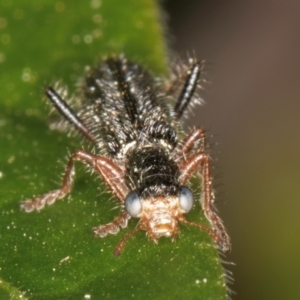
x: 127, y: 114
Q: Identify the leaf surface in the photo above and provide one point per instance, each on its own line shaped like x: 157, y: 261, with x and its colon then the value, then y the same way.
x: 54, y: 254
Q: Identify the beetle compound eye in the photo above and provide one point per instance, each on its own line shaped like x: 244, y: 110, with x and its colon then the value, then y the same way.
x: 133, y: 204
x: 186, y: 199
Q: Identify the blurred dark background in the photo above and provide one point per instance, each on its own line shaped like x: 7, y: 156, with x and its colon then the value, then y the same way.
x: 253, y: 110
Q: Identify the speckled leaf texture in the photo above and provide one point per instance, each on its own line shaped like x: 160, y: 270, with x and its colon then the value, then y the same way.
x: 54, y: 254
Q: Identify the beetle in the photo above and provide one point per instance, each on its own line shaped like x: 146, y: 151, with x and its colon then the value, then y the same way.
x: 127, y: 114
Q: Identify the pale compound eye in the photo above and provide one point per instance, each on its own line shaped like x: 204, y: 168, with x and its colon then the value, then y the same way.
x: 133, y: 204
x: 186, y: 199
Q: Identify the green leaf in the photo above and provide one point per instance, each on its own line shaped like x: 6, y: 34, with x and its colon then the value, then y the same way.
x: 54, y: 254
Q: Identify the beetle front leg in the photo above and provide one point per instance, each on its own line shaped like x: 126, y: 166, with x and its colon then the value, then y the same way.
x: 122, y: 243
x: 109, y: 171
x: 114, y: 226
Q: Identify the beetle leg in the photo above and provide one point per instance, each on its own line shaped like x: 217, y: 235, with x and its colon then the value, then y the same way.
x: 200, y: 161
x: 108, y: 170
x: 195, y: 137
x: 114, y: 226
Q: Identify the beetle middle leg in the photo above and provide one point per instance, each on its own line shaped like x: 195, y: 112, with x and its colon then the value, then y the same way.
x: 200, y: 161
x: 109, y: 171
x: 195, y: 138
